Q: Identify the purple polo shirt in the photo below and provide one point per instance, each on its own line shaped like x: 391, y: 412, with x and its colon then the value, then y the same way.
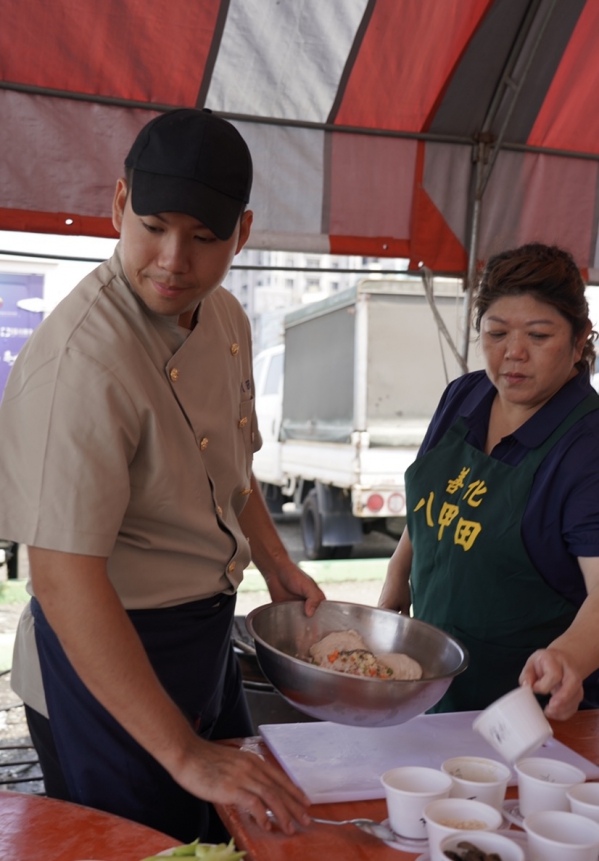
x: 561, y: 520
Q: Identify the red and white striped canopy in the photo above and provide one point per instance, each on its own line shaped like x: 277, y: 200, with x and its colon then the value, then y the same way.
x: 363, y: 116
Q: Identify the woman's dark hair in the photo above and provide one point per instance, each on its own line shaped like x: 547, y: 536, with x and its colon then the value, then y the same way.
x: 546, y: 272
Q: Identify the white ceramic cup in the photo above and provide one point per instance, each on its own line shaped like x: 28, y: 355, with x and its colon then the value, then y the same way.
x: 408, y: 790
x: 514, y: 725
x: 557, y: 835
x: 478, y: 778
x: 486, y: 841
x: 543, y: 784
x: 450, y: 815
x: 584, y: 800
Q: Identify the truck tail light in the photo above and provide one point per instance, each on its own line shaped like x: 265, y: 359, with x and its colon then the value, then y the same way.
x: 396, y: 503
x: 375, y: 502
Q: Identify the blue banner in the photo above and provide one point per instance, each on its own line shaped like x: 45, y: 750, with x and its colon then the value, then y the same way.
x: 18, y: 293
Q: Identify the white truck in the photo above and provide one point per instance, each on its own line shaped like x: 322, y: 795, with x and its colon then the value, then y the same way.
x: 344, y: 403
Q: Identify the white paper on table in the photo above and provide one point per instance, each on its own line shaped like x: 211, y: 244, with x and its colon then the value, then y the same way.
x: 333, y: 762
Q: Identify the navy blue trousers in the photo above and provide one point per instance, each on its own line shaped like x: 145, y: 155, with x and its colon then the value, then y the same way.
x: 189, y: 647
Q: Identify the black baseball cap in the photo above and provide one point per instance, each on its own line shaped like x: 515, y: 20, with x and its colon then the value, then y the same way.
x: 194, y: 162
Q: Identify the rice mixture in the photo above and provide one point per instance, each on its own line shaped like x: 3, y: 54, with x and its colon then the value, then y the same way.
x: 346, y: 652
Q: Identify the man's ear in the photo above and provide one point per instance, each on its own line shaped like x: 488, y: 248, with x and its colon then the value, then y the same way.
x: 244, y: 229
x: 118, y: 203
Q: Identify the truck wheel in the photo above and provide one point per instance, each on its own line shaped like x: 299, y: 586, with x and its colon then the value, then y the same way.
x: 273, y: 497
x: 12, y: 563
x: 311, y: 523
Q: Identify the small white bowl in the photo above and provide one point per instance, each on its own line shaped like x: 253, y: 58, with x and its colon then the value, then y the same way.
x: 408, y: 789
x: 443, y: 815
x: 514, y: 725
x: 543, y: 783
x: 478, y: 778
x: 584, y: 800
x: 557, y: 835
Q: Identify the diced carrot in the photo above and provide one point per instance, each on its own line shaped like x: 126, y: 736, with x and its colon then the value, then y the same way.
x: 333, y: 656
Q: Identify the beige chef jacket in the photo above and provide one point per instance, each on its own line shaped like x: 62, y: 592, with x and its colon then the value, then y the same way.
x: 124, y: 436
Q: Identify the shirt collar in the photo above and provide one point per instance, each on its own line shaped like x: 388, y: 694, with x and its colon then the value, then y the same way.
x: 476, y: 410
x: 541, y: 425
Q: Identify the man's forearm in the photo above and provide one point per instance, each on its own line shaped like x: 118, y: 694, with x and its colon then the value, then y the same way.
x: 285, y: 580
x: 268, y: 551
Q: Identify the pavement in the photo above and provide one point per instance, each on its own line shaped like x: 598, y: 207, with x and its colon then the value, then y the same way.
x: 13, y: 598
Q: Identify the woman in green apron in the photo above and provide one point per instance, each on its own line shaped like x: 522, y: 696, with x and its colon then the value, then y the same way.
x: 501, y: 548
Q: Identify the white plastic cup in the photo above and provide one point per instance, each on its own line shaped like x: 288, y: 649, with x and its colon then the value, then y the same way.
x: 543, y: 784
x: 584, y: 800
x: 514, y: 725
x: 449, y: 816
x: 478, y: 778
x: 408, y: 790
x: 487, y: 842
x: 557, y: 835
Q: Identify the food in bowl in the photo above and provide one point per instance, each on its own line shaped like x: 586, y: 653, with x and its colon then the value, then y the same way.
x: 470, y: 852
x: 283, y: 635
x: 346, y: 652
x: 464, y: 824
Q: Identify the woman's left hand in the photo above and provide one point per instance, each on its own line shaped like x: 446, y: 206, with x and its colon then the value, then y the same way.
x: 550, y: 671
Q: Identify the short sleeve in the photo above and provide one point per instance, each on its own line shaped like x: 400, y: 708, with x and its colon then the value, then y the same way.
x: 580, y: 526
x: 68, y: 431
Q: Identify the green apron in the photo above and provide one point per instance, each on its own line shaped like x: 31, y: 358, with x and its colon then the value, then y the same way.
x: 471, y: 574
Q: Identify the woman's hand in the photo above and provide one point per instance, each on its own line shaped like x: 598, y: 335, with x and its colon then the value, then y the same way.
x: 396, y: 593
x: 560, y: 669
x: 551, y: 671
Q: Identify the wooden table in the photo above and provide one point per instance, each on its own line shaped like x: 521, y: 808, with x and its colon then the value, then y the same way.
x: 41, y: 829
x: 347, y: 843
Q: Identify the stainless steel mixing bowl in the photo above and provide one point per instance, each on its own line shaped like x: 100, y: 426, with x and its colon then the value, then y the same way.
x: 283, y: 635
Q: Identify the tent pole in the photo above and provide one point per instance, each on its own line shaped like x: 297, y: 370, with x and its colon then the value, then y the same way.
x: 481, y: 152
x: 489, y: 145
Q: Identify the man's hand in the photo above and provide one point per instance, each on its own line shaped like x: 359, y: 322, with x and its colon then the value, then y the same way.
x: 226, y: 775
x: 291, y: 583
x: 550, y: 671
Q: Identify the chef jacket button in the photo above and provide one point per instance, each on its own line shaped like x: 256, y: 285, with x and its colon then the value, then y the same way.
x: 242, y: 422
x: 204, y: 443
x: 231, y: 567
x: 246, y: 491
x: 174, y: 374
x: 234, y: 349
x: 219, y: 511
